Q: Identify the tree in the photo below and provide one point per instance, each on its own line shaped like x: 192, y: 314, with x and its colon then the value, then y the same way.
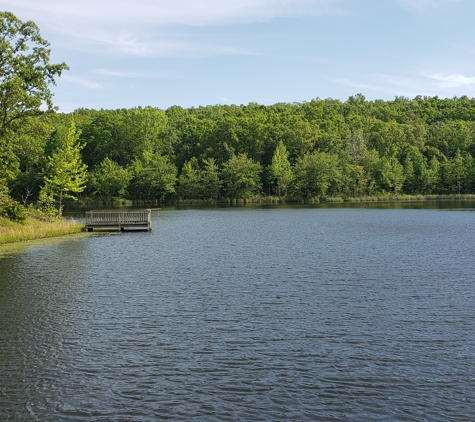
x: 108, y: 136
x: 357, y: 145
x: 449, y: 137
x: 433, y: 175
x: 241, y: 177
x: 316, y: 174
x: 189, y: 182
x: 210, y: 182
x: 110, y: 179
x: 148, y: 128
x: 415, y: 171
x: 390, y: 175
x: 356, y: 180
x: 371, y: 164
x: 280, y: 168
x: 66, y: 173
x: 458, y: 171
x: 25, y: 76
x: 153, y: 177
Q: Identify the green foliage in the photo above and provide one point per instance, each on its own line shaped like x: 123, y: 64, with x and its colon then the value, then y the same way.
x: 355, y: 180
x: 416, y: 173
x: 13, y: 210
x: 153, y: 177
x: 9, y: 162
x: 3, y: 192
x: 458, y: 173
x: 281, y: 169
x: 46, y: 204
x: 25, y: 71
x: 390, y: 175
x: 25, y: 76
x: 357, y: 145
x: 450, y: 137
x: 189, y: 181
x: 241, y: 177
x: 121, y: 135
x: 210, y: 181
x: 199, y: 183
x: 110, y: 180
x: 66, y: 173
x: 317, y: 174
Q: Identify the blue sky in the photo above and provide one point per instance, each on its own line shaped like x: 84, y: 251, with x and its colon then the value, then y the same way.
x: 162, y: 53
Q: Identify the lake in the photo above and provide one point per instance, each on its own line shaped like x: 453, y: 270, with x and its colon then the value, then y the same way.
x: 263, y: 314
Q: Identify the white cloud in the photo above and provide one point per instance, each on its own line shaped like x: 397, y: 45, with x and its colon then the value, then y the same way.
x: 450, y: 81
x: 124, y: 43
x: 152, y: 28
x: 83, y: 82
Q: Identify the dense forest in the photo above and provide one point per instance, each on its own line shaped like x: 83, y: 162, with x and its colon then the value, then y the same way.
x: 317, y: 149
x: 300, y: 151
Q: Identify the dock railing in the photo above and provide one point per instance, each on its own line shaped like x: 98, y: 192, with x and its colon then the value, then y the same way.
x: 130, y: 219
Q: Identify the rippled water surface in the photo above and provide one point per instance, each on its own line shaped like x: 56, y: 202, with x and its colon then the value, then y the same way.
x: 246, y: 314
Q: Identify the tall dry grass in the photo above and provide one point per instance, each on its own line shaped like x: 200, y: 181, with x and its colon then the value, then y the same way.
x: 35, y: 229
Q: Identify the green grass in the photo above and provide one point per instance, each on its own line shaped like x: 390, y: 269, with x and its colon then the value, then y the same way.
x: 31, y: 229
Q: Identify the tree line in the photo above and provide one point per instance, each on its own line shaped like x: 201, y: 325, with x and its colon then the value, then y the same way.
x: 315, y: 149
x: 292, y: 151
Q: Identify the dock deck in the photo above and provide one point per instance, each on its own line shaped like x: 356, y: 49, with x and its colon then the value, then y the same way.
x: 120, y: 220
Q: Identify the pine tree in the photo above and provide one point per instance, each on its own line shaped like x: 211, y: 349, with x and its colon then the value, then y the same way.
x: 66, y: 172
x: 281, y: 169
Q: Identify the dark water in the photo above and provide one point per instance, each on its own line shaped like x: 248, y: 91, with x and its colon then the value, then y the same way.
x: 246, y: 314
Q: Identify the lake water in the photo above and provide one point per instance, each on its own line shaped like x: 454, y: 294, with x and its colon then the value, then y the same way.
x: 245, y: 314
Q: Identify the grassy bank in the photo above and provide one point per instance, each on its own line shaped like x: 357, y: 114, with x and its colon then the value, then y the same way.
x: 35, y: 229
x: 403, y: 197
x: 274, y: 200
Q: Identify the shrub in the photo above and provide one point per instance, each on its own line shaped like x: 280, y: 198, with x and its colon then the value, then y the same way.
x: 14, y: 211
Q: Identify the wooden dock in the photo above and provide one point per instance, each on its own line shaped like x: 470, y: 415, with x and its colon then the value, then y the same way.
x: 119, y: 220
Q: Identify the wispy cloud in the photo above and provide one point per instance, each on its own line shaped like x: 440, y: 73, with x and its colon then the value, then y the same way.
x: 168, y: 12
x: 124, y: 43
x: 450, y: 81
x: 155, y: 28
x: 137, y: 75
x: 83, y: 82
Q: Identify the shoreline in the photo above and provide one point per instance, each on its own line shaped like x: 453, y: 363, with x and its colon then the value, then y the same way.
x: 155, y: 205
x: 32, y: 229
x: 274, y: 200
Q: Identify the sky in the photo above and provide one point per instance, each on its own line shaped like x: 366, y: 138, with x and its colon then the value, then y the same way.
x: 192, y: 53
